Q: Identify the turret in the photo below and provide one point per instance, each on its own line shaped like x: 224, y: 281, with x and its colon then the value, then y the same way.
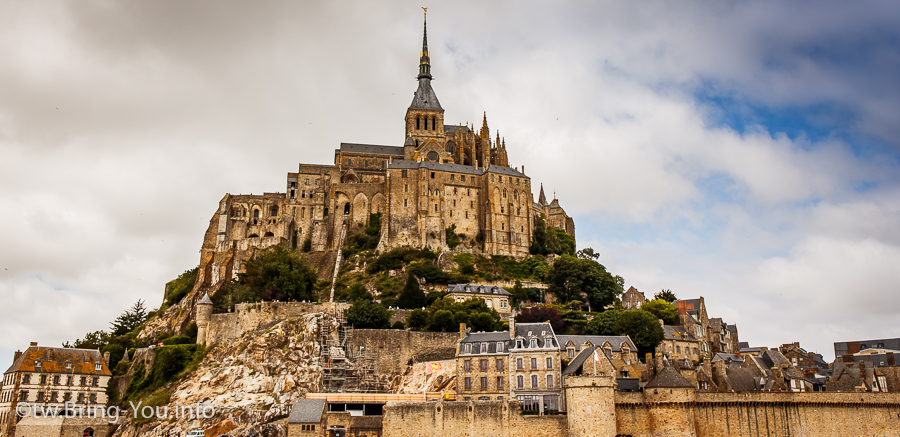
x: 204, y: 314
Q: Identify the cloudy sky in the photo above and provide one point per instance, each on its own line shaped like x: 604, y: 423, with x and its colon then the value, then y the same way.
x: 746, y: 152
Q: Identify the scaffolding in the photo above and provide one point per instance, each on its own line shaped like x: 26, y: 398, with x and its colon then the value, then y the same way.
x: 345, y: 370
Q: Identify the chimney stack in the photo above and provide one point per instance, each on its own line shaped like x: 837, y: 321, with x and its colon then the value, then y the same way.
x: 17, y: 355
x: 106, y: 357
x: 33, y: 344
x: 462, y: 331
x: 512, y: 326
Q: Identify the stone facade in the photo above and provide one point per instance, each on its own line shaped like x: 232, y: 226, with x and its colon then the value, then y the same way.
x: 52, y: 378
x: 65, y: 427
x: 494, y: 297
x: 226, y: 327
x: 632, y: 299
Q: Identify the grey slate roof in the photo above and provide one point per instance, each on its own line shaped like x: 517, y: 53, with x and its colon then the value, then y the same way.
x: 477, y: 289
x: 741, y: 380
x: 206, y: 300
x: 726, y: 357
x: 452, y: 128
x: 456, y: 168
x: 597, y: 340
x: 539, y: 331
x: 424, y: 97
x: 307, y: 411
x: 370, y: 148
x: 579, y: 360
x: 668, y: 377
x: 678, y: 333
x: 504, y: 170
x: 490, y: 338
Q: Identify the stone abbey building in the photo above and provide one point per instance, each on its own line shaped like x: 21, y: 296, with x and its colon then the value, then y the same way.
x: 442, y: 175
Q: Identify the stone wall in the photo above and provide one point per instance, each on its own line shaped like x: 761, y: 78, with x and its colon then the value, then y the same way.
x: 760, y: 414
x: 459, y: 419
x: 63, y: 426
x: 227, y: 327
x: 396, y: 348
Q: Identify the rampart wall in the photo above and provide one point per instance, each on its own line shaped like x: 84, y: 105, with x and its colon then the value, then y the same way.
x: 661, y: 413
x: 396, y: 347
x: 463, y: 419
x: 225, y: 327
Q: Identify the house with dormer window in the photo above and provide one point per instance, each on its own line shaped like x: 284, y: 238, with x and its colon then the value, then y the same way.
x: 494, y: 297
x: 535, y: 368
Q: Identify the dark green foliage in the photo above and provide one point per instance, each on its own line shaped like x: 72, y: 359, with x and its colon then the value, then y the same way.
x: 433, y: 274
x: 92, y: 340
x: 366, y: 240
x: 542, y: 313
x: 177, y: 339
x: 466, y: 264
x: 643, y: 328
x: 417, y: 319
x: 587, y: 253
x: 398, y: 325
x: 452, y: 237
x: 395, y: 259
x: 473, y: 312
x: 411, y: 296
x: 661, y: 310
x: 666, y: 295
x: 572, y: 278
x: 604, y: 323
x: 130, y: 319
x: 191, y: 332
x: 442, y: 320
x: 307, y: 245
x: 169, y: 363
x: 365, y: 314
x: 178, y: 288
x: 482, y: 322
x: 275, y: 274
x: 546, y: 240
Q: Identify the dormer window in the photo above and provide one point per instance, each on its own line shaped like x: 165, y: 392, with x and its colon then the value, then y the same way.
x: 570, y: 352
x: 519, y: 344
x: 37, y: 365
x: 68, y: 366
x: 548, y: 343
x: 533, y: 342
x: 499, y: 346
x: 484, y: 348
x: 468, y: 348
x: 98, y: 367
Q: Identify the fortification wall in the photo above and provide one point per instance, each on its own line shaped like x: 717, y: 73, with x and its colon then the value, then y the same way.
x: 227, y: 327
x: 762, y: 414
x: 396, y: 348
x: 463, y: 419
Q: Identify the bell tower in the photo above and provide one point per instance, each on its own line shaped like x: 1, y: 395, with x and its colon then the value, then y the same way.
x: 425, y: 116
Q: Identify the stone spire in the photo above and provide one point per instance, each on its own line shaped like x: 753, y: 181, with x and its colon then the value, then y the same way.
x: 424, y: 59
x: 542, y: 199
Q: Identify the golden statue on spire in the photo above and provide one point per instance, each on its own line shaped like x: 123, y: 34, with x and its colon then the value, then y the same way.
x: 426, y: 10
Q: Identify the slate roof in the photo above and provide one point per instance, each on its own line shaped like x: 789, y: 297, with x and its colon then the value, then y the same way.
x: 597, y: 340
x: 370, y: 148
x: 456, y: 168
x: 490, y: 338
x: 773, y: 358
x: 678, y: 333
x: 307, y: 411
x: 477, y: 289
x: 668, y: 377
x: 504, y: 170
x: 206, y: 300
x: 726, y: 357
x: 452, y: 128
x: 424, y: 97
x: 579, y: 360
x: 54, y: 359
x: 539, y: 331
x: 741, y: 380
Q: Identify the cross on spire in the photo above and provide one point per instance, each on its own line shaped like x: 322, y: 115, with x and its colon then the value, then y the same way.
x: 424, y: 59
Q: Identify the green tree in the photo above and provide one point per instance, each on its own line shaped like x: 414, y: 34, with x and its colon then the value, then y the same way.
x: 411, y: 296
x: 417, y: 319
x: 643, y: 328
x: 587, y: 253
x: 130, y: 319
x: 365, y: 314
x: 442, y: 320
x: 666, y: 295
x: 279, y: 274
x: 604, y: 323
x: 178, y: 288
x: 572, y: 278
x: 452, y: 237
x: 91, y: 340
x: 661, y: 310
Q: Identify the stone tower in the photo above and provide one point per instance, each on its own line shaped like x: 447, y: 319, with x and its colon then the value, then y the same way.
x: 425, y: 116
x: 204, y: 313
x: 590, y: 406
x: 671, y: 396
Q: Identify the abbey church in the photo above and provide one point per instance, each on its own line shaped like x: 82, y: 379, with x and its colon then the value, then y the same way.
x: 442, y: 175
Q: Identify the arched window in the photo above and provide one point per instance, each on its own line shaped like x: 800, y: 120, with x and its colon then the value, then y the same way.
x: 255, y: 213
x: 433, y: 123
x: 504, y: 193
x: 347, y: 208
x: 89, y: 432
x: 274, y: 211
x: 269, y: 234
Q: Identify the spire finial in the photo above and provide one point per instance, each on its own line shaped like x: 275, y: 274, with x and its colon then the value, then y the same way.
x: 424, y: 59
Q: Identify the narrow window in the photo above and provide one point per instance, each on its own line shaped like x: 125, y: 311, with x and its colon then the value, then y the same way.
x: 520, y: 381
x: 452, y: 177
x: 483, y: 365
x: 549, y: 363
x: 499, y: 361
x: 435, y: 207
x: 534, y: 381
x: 403, y: 173
x: 499, y: 383
x: 519, y: 365
x: 405, y: 188
x: 349, y: 163
x: 533, y: 363
x: 417, y: 122
x: 432, y: 175
x: 467, y: 365
x: 549, y: 381
x: 484, y: 382
x: 468, y: 383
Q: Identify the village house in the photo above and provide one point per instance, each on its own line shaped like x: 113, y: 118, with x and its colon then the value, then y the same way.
x: 494, y: 297
x: 54, y: 379
x: 632, y: 299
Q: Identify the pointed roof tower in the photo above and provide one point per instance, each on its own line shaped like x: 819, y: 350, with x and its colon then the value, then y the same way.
x: 542, y: 199
x: 425, y: 98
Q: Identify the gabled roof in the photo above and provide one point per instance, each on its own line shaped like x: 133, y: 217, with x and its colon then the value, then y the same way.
x: 668, y: 377
x: 741, y: 380
x: 727, y: 357
x: 477, y: 289
x: 539, y: 331
x: 206, y: 300
x: 307, y: 411
x: 597, y: 340
x: 54, y: 359
x: 576, y: 364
